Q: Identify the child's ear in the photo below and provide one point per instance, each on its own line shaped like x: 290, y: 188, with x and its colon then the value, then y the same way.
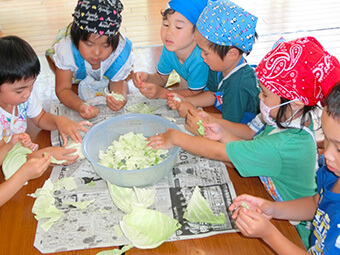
x: 297, y: 105
x: 233, y: 54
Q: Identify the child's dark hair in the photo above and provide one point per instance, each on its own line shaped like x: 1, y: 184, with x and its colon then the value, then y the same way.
x: 169, y: 11
x: 78, y: 34
x: 17, y: 60
x: 222, y: 50
x: 281, y: 113
x: 333, y: 102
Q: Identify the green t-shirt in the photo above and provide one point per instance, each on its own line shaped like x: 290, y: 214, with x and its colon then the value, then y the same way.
x: 288, y: 158
x: 240, y: 92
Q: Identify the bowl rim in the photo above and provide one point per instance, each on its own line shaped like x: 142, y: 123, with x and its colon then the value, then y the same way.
x: 129, y: 116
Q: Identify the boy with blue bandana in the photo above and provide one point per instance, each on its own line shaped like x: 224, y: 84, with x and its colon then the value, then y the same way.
x: 225, y: 32
x: 179, y: 53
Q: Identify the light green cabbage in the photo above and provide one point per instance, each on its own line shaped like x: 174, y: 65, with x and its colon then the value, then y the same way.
x: 131, y: 152
x: 199, y: 210
x: 141, y: 108
x: 73, y: 145
x: 127, y: 198
x: 44, y: 207
x: 201, y: 128
x: 116, y: 251
x: 147, y: 229
x: 14, y: 159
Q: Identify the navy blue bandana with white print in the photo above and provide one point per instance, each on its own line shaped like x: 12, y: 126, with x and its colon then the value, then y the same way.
x: 102, y: 17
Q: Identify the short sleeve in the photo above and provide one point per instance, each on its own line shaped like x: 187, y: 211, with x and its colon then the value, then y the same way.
x: 63, y: 56
x: 163, y: 66
x: 34, y: 106
x: 259, y: 157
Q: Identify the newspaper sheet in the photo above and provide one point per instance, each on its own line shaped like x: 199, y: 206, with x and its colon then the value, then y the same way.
x: 94, y: 226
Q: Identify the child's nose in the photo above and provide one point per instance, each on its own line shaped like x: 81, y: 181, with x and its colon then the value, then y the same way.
x: 97, y: 51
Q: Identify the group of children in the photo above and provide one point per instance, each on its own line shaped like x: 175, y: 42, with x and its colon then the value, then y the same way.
x: 264, y: 126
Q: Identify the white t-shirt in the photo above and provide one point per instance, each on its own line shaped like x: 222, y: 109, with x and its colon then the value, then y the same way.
x: 11, y: 125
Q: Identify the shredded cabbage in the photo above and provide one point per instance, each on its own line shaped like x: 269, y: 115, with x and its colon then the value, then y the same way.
x: 131, y: 152
x: 199, y: 210
x: 147, y: 229
x: 141, y: 108
x: 201, y: 128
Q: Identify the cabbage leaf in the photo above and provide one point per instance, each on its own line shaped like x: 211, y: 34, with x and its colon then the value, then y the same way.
x: 127, y: 198
x: 14, y: 159
x: 199, y: 210
x: 147, y: 229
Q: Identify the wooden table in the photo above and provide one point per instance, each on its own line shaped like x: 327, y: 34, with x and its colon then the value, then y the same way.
x: 18, y: 225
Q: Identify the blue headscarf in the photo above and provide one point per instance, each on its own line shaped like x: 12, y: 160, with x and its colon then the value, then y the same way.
x: 191, y: 9
x: 226, y: 23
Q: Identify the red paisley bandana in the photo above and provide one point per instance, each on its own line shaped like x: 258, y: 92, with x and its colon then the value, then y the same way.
x: 300, y: 69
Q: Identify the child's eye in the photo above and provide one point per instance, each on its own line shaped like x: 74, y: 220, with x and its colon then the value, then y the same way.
x: 179, y: 27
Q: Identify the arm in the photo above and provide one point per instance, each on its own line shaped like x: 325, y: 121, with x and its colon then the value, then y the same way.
x: 197, y: 145
x: 254, y: 222
x: 65, y: 126
x: 69, y: 98
x: 204, y: 99
x: 119, y: 87
x: 242, y: 131
x: 25, y: 140
x: 32, y: 169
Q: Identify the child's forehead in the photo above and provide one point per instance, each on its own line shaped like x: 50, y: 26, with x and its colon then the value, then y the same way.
x: 177, y: 17
x: 330, y: 126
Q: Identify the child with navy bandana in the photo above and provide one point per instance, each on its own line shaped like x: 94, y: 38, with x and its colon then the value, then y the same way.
x: 225, y: 33
x: 179, y: 53
x: 323, y: 206
x: 93, y: 53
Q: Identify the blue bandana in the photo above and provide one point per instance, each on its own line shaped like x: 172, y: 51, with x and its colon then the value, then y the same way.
x: 225, y: 23
x: 190, y: 9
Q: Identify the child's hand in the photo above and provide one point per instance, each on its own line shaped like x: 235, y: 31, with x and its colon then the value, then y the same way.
x: 35, y: 167
x: 113, y: 104
x: 67, y: 127
x: 162, y: 141
x: 184, y: 108
x: 260, y: 205
x: 61, y: 153
x: 253, y: 224
x: 140, y: 77
x: 192, y: 119
x: 174, y: 100
x: 88, y: 111
x: 213, y: 131
x: 152, y: 91
x: 25, y: 140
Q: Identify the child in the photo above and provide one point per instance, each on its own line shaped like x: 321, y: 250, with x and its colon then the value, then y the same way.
x: 97, y: 55
x: 225, y: 32
x: 32, y: 169
x: 324, y: 205
x: 293, y: 77
x: 19, y: 67
x: 179, y: 53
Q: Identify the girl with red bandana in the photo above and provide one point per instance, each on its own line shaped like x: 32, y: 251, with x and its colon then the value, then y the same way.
x: 293, y: 77
x: 324, y: 205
